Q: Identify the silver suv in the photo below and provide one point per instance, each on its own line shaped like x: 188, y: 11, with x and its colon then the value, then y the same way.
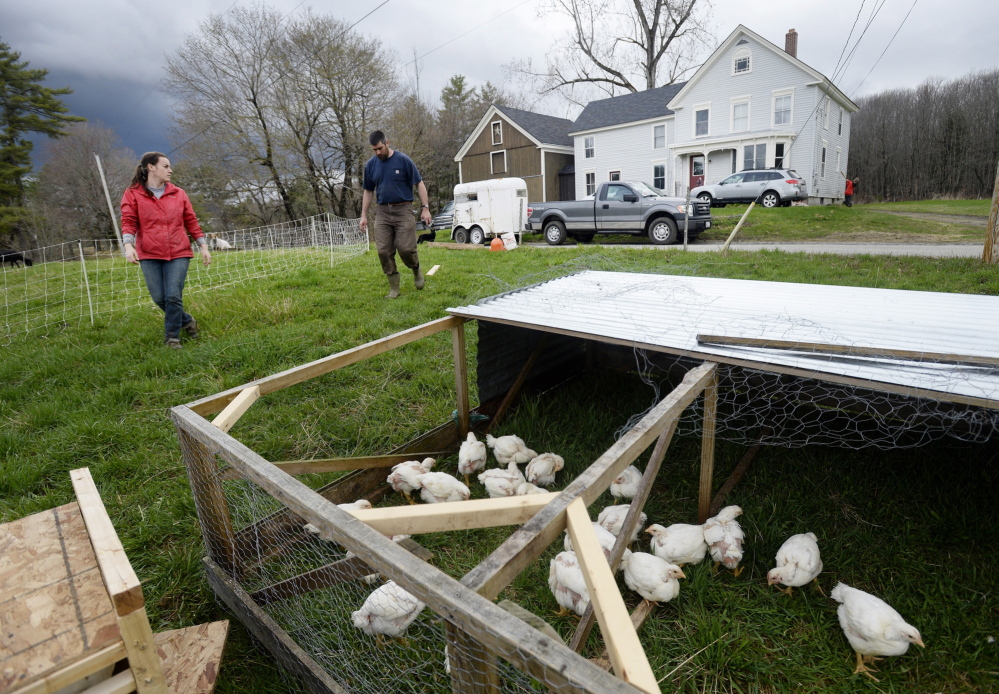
x: 769, y: 187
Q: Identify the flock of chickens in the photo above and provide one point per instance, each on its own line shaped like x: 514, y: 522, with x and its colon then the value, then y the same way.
x: 872, y: 627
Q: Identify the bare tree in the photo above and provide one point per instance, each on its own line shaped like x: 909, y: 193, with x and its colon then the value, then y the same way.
x: 619, y: 46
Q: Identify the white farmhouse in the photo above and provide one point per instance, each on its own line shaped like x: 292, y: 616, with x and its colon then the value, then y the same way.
x: 751, y: 105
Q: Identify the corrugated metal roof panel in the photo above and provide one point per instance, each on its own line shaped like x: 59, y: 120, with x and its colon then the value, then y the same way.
x: 668, y: 311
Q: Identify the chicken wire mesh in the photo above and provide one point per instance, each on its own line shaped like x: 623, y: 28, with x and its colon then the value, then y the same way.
x: 76, y: 282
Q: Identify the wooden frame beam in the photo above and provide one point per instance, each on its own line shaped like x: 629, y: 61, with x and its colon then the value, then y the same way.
x: 235, y: 409
x: 461, y: 379
x: 518, y: 383
x: 708, y: 449
x: 298, y: 374
x: 455, y: 515
x: 497, y: 570
x: 308, y: 467
x: 626, y: 653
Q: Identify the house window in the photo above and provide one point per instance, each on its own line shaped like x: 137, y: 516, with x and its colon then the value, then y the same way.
x: 701, y: 122
x: 659, y: 176
x: 754, y: 157
x: 782, y: 110
x: 740, y: 117
x: 822, y: 168
x: 497, y: 132
x: 840, y: 131
x: 591, y: 182
x: 741, y: 61
x: 613, y: 175
x: 779, y: 155
x: 497, y: 162
x: 658, y: 137
x: 588, y: 148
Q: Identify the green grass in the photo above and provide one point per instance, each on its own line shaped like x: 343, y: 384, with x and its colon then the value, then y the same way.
x: 917, y: 527
x: 827, y: 223
x: 976, y: 208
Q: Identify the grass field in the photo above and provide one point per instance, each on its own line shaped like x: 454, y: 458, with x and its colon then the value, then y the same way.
x: 975, y: 208
x: 917, y: 527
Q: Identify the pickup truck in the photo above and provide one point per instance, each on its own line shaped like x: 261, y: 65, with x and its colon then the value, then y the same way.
x: 619, y: 207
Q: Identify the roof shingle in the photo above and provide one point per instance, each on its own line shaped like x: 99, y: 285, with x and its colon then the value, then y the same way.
x: 548, y: 130
x: 627, y: 108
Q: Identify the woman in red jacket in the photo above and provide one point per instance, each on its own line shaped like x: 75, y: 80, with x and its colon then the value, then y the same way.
x: 157, y: 224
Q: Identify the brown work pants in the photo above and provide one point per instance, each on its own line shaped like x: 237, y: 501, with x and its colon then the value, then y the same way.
x: 395, y: 230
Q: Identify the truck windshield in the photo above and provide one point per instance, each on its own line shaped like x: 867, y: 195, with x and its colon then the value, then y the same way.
x: 644, y: 190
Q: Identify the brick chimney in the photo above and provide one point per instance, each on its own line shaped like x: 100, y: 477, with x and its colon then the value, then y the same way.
x: 791, y: 43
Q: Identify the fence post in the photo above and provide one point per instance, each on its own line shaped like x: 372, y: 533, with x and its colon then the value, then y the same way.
x: 107, y: 195
x: 86, y: 280
x: 329, y: 227
x: 990, y: 253
x: 686, y: 220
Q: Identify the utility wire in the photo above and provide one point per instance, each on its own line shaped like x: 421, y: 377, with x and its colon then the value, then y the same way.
x: 886, y: 47
x: 434, y: 50
x: 853, y: 51
x: 849, y: 36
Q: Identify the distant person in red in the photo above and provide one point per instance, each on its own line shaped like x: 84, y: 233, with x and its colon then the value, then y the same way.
x: 157, y: 226
x: 848, y: 197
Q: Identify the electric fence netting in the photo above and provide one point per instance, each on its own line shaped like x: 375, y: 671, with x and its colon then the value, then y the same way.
x: 76, y: 282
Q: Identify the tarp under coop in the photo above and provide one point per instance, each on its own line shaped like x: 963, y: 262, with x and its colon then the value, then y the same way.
x: 752, y: 361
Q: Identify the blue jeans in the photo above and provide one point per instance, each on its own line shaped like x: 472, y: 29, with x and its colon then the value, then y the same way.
x: 165, y: 282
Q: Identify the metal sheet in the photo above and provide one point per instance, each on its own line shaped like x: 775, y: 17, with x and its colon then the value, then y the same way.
x: 669, y: 312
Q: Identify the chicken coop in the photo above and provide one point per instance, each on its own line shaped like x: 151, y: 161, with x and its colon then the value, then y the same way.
x: 752, y: 362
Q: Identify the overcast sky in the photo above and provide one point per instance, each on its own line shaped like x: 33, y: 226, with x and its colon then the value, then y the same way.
x: 111, y: 52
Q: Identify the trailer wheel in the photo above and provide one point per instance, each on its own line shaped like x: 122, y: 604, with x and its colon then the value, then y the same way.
x: 460, y: 236
x: 555, y: 233
x: 476, y: 236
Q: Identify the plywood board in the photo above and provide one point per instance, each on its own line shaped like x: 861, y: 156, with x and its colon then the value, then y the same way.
x: 191, y: 656
x: 53, y: 604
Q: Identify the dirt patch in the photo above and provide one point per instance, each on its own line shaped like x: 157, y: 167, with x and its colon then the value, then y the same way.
x: 890, y: 237
x: 963, y: 219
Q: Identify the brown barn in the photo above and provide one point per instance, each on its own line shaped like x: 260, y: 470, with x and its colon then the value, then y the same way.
x: 522, y: 144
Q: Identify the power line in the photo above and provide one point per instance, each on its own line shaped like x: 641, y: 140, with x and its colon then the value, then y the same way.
x: 849, y: 36
x: 466, y: 33
x: 853, y: 51
x: 886, y: 47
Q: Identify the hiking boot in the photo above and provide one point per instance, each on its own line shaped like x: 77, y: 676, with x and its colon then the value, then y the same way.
x: 393, y: 281
x: 174, y: 343
x: 191, y: 328
x: 418, y: 279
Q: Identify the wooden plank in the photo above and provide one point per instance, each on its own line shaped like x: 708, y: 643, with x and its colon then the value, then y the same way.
x: 308, y: 467
x: 122, y: 683
x: 123, y: 585
x: 626, y: 653
x: 341, y: 571
x: 456, y: 515
x: 628, y: 526
x: 518, y: 383
x: 851, y: 350
x: 638, y: 617
x: 74, y: 672
x: 708, y: 449
x: 509, y: 638
x: 235, y: 409
x: 474, y: 670
x: 461, y: 378
x: 866, y: 384
x: 497, y: 570
x: 737, y: 474
x: 298, y: 374
x: 191, y: 656
x: 143, y: 658
x: 269, y: 633
x: 209, y: 501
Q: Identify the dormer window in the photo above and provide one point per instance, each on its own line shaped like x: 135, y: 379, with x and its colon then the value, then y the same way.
x: 742, y: 61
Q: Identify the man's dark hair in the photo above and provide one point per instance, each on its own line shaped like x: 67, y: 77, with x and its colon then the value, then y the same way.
x: 376, y: 137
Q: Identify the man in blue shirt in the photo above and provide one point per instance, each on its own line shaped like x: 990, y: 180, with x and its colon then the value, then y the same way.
x: 392, y: 174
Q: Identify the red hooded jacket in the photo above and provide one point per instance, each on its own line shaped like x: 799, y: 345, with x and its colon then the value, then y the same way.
x: 163, y: 228
x: 849, y: 187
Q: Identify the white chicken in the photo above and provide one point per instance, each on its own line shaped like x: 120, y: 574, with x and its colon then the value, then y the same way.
x: 404, y: 476
x: 567, y: 584
x: 388, y: 611
x: 500, y: 482
x: 509, y: 449
x: 541, y: 470
x: 612, y: 518
x: 679, y: 543
x: 653, y: 578
x: 528, y: 488
x: 604, y: 537
x: 471, y: 456
x: 440, y: 487
x: 798, y: 562
x: 872, y: 627
x: 358, y: 505
x: 724, y: 537
x: 626, y: 484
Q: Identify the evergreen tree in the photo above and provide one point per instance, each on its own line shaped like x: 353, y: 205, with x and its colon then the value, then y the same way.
x: 25, y: 107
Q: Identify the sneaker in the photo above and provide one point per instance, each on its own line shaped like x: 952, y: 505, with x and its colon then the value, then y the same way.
x: 191, y: 328
x: 174, y: 343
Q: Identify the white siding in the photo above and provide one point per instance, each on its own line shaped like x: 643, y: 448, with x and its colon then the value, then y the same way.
x: 628, y: 149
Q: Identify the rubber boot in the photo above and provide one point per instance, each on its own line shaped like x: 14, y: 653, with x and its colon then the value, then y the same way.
x: 393, y: 280
x: 418, y: 279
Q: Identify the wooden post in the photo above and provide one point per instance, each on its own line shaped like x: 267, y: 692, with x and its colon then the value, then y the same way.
x: 686, y: 220
x: 990, y: 253
x: 518, y: 383
x: 474, y: 670
x: 731, y: 237
x: 107, y: 196
x: 708, y: 448
x: 737, y: 474
x: 86, y: 281
x: 461, y: 379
